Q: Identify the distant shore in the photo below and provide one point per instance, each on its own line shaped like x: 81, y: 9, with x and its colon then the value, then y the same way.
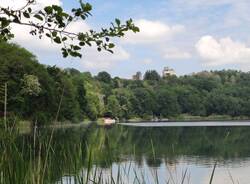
x: 190, y: 118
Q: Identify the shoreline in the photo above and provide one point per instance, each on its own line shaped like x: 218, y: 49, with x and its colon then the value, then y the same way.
x: 188, y: 118
x: 188, y: 121
x: 190, y: 124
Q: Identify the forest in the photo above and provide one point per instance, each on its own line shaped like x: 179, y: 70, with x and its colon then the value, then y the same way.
x: 44, y: 94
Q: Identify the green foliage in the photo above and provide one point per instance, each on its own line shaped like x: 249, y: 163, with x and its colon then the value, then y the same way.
x: 36, y: 92
x: 103, y: 77
x: 53, y: 21
x: 124, y: 97
x: 144, y: 102
x: 31, y: 85
x: 191, y: 101
x: 152, y: 75
x: 167, y: 103
x: 113, y: 106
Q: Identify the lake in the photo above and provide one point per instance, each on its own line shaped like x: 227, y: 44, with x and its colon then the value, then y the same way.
x: 189, y: 124
x: 130, y: 153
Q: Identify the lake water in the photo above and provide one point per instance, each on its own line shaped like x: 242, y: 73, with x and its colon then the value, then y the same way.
x: 139, y: 153
x: 189, y: 124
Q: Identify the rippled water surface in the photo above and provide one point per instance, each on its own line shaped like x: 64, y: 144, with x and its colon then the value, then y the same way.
x: 142, y: 153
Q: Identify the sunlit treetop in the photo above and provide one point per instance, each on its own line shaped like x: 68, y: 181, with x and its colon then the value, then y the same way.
x: 52, y: 21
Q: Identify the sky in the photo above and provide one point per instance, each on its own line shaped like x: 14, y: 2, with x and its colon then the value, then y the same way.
x: 186, y: 35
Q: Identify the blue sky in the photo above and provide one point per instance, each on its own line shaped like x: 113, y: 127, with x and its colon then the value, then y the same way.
x: 187, y: 35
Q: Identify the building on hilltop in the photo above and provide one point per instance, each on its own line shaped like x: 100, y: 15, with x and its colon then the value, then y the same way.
x: 137, y: 76
x: 168, y: 72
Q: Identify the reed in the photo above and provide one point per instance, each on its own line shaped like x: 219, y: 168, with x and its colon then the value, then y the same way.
x: 39, y: 158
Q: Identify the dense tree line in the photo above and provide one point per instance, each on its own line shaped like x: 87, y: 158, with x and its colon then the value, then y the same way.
x: 46, y: 93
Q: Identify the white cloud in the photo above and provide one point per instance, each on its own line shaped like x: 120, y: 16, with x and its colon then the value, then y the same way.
x: 21, y: 33
x: 174, y: 53
x: 147, y: 61
x: 78, y: 26
x: 30, y: 42
x: 93, y: 59
x: 15, y: 4
x: 222, y: 51
x: 197, y: 3
x: 152, y: 31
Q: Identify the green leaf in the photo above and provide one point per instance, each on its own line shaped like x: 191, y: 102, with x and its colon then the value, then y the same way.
x: 81, y: 43
x: 48, y: 9
x: 98, y: 42
x: 54, y: 33
x: 16, y: 20
x: 75, y: 54
x: 75, y: 47
x: 88, y: 43
x: 6, y: 31
x: 65, y: 54
x: 39, y: 17
x: 111, y: 45
x: 83, y: 17
x: 70, y: 18
x: 57, y: 40
x: 118, y: 22
x: 29, y: 10
x: 136, y: 29
x: 78, y: 13
x: 65, y: 15
x: 4, y: 22
x: 26, y: 15
x: 57, y: 8
x: 87, y: 7
x: 64, y: 39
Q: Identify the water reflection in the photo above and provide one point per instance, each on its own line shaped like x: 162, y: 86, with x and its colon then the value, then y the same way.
x: 150, y: 154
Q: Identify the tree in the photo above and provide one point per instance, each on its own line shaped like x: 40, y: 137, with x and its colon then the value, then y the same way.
x: 152, y: 75
x: 53, y: 21
x: 167, y: 103
x: 219, y: 102
x: 78, y: 82
x: 144, y: 103
x: 94, y: 98
x: 203, y: 82
x: 113, y: 106
x: 36, y: 91
x: 69, y: 109
x: 124, y: 97
x: 94, y: 106
x: 104, y: 77
x: 191, y: 101
x: 31, y: 85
